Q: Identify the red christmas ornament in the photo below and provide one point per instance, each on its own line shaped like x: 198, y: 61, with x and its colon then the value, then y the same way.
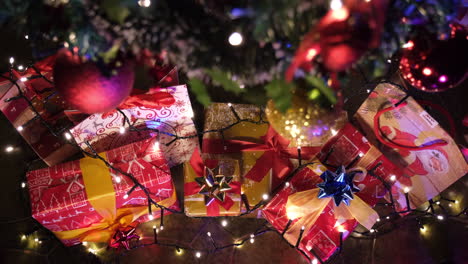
x: 433, y: 65
x: 83, y: 85
x: 342, y: 36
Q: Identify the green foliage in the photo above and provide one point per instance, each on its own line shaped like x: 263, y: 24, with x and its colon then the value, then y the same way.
x: 320, y: 84
x: 115, y: 10
x: 223, y: 79
x: 280, y: 92
x: 200, y: 91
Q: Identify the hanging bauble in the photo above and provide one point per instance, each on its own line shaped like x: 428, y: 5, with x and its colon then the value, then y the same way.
x: 306, y: 122
x: 434, y: 65
x: 89, y: 88
x: 342, y: 36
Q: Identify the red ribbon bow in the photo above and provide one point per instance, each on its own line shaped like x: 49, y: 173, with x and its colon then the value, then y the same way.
x: 276, y: 153
x: 191, y: 188
x: 153, y: 99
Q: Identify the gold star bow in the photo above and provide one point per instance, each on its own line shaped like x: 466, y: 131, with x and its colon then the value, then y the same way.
x: 214, y: 186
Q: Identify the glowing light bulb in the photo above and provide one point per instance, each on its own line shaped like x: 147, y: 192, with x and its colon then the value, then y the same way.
x: 144, y: 3
x: 85, y: 243
x: 341, y: 229
x: 456, y: 201
x: 122, y: 130
x: 20, y: 128
x: 252, y: 240
x: 438, y: 202
x: 150, y: 216
x: 443, y: 78
x: 314, y: 261
x: 67, y: 136
x: 361, y: 154
x: 368, y: 90
x: 125, y: 196
x: 23, y: 79
x: 388, y: 217
x: 440, y: 217
x: 427, y: 71
x: 229, y: 104
x: 23, y: 185
x: 235, y: 39
x: 408, y: 45
x: 209, y: 234
x: 224, y: 223
x: 372, y: 230
x: 26, y: 36
x: 36, y: 239
x: 311, y: 53
x: 336, y: 4
x: 12, y: 60
x: 118, y: 179
x: 161, y: 227
x: 393, y: 178
x: 287, y: 184
x: 9, y: 149
x: 198, y: 255
x: 154, y: 227
x: 20, y: 67
x: 23, y: 237
x: 406, y: 190
x: 378, y: 219
x: 265, y: 196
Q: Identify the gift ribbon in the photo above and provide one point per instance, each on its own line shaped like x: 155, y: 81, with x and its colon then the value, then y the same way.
x: 153, y: 99
x: 276, y: 155
x: 308, y: 207
x: 387, y: 142
x: 197, y: 167
x: 101, y: 195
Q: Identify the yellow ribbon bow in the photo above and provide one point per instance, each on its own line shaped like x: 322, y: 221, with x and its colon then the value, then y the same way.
x: 308, y: 207
x: 101, y: 194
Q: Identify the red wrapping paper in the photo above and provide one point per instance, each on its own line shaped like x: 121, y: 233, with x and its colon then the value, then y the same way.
x: 323, y: 238
x: 59, y: 200
x: 347, y: 146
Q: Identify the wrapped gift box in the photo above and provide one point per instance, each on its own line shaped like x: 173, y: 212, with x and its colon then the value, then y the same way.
x: 83, y: 200
x: 321, y: 235
x: 351, y: 149
x: 415, y: 139
x: 170, y: 111
x: 211, y: 187
x: 47, y: 104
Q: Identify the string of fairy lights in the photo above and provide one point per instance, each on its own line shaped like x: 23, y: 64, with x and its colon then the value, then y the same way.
x: 379, y: 229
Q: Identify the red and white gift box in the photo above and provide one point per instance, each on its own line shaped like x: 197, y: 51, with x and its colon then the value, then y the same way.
x: 173, y: 115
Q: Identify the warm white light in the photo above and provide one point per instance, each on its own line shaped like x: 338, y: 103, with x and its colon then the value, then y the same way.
x: 438, y: 202
x: 154, y: 227
x: 252, y: 240
x: 372, y: 230
x: 422, y: 229
x: 336, y: 4
x: 242, y: 86
x: 12, y: 60
x: 122, y: 130
x: 118, y: 179
x: 23, y: 185
x: 198, y: 254
x: 388, y: 217
x: 303, y: 227
x: 23, y: 237
x: 229, y: 104
x: 450, y: 205
x: 26, y: 37
x: 150, y: 216
x: 161, y: 227
x: 408, y: 45
x: 125, y: 196
x: 314, y: 261
x: 68, y: 136
x: 389, y: 61
x: 144, y: 3
x: 334, y: 132
x: 456, y: 201
x: 224, y: 223
x: 393, y: 178
x: 20, y: 128
x: 378, y: 219
x: 36, y: 239
x: 235, y: 39
x: 287, y: 184
x: 341, y: 229
x: 265, y: 196
x: 368, y: 90
x: 9, y: 149
x: 72, y: 36
x: 20, y: 67
x: 85, y: 243
x: 23, y: 79
x: 406, y: 189
x: 208, y: 233
x: 440, y: 217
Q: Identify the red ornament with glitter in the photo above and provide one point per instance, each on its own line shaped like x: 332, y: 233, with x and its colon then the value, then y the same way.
x: 433, y: 65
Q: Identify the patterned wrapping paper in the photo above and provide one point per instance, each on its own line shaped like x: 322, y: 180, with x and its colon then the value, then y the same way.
x: 60, y: 195
x: 427, y: 171
x: 350, y: 147
x: 194, y: 201
x: 219, y: 115
x: 323, y: 237
x: 49, y: 148
x: 173, y: 115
